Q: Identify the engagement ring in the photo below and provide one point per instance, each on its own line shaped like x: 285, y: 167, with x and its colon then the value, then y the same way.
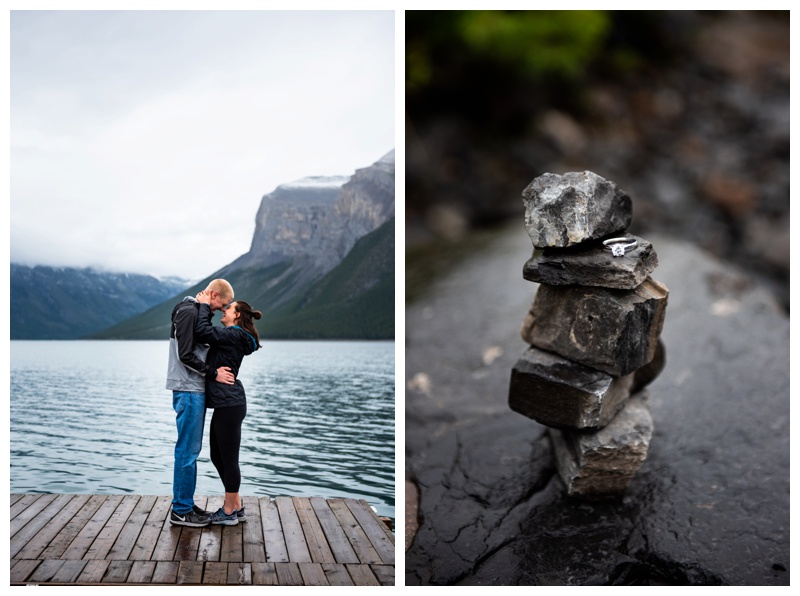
x: 618, y: 246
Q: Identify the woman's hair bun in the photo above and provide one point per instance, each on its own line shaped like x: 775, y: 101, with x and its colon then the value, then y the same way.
x: 256, y: 314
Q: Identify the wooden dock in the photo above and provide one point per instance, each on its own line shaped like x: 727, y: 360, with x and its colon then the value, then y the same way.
x: 127, y: 539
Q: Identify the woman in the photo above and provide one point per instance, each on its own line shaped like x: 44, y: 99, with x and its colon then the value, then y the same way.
x: 228, y: 346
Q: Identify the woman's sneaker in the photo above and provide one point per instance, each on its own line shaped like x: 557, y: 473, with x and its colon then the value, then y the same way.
x: 191, y: 519
x: 221, y: 518
x: 240, y: 515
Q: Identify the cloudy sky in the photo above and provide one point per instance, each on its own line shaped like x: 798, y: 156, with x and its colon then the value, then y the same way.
x: 143, y: 141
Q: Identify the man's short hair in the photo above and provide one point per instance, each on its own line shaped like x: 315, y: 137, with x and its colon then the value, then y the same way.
x: 223, y: 287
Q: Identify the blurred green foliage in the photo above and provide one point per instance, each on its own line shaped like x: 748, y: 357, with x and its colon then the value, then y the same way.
x: 535, y: 44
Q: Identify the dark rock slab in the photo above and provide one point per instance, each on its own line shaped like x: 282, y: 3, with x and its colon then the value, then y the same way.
x: 710, y: 504
x: 645, y: 375
x: 560, y: 393
x: 591, y: 264
x: 601, y: 464
x: 564, y: 210
x: 615, y: 331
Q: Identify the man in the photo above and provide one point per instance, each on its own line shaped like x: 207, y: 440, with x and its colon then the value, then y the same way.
x: 186, y: 378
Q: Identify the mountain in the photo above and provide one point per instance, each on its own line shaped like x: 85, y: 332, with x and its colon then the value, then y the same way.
x: 320, y: 264
x: 67, y: 303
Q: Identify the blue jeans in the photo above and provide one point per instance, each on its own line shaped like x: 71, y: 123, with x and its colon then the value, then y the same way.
x: 190, y: 410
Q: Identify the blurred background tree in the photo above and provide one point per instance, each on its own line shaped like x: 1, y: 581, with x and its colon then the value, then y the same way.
x: 687, y: 111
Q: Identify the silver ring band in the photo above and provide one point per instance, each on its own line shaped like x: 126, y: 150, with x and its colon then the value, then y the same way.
x: 619, y: 246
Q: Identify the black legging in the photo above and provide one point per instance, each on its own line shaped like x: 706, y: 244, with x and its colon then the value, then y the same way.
x: 226, y: 435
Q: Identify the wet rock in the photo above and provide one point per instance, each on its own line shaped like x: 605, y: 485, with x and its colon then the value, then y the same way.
x: 591, y: 264
x: 710, y: 505
x: 564, y: 210
x: 615, y: 331
x: 645, y: 375
x: 560, y: 393
x: 601, y: 464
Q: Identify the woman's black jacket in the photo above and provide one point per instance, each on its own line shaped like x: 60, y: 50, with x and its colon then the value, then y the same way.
x: 229, y: 345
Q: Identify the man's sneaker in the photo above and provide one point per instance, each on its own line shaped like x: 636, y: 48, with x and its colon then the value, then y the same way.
x: 191, y: 519
x: 240, y: 515
x: 221, y: 518
x: 201, y: 512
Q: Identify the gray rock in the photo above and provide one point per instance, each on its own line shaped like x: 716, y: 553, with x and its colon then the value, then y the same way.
x: 591, y: 264
x: 645, y: 375
x: 560, y: 393
x: 601, y: 464
x: 710, y: 505
x: 564, y: 210
x: 615, y: 331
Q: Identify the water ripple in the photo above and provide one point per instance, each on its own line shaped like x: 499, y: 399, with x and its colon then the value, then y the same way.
x: 94, y: 417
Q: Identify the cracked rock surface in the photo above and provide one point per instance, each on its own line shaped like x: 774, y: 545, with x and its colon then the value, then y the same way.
x: 710, y: 505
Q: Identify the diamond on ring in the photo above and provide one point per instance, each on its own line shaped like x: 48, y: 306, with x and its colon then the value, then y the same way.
x: 619, y: 246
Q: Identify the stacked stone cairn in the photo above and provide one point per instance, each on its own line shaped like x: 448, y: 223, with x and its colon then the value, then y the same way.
x: 594, y: 332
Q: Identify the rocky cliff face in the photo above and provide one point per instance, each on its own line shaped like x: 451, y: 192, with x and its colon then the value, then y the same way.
x: 320, y: 265
x: 317, y: 220
x: 366, y: 201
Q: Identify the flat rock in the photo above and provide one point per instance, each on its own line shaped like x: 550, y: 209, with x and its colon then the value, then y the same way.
x: 615, y: 331
x: 601, y: 464
x: 560, y: 393
x: 710, y: 504
x: 591, y: 264
x: 564, y: 210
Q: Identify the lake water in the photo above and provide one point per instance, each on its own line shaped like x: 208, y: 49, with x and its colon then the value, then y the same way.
x: 94, y: 417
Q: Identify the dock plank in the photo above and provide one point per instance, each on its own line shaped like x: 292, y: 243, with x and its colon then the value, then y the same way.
x: 22, y: 570
x: 264, y: 574
x: 315, y: 537
x: 46, y: 571
x: 216, y: 572
x: 337, y: 539
x: 78, y: 547
x: 188, y: 544
x: 128, y: 540
x: 29, y: 531
x: 125, y: 541
x: 105, y: 539
x: 239, y: 574
x: 190, y: 572
x: 30, y: 511
x: 312, y: 574
x: 166, y: 572
x: 211, y: 536
x: 292, y: 531
x: 362, y: 575
x: 358, y: 539
x: 93, y: 571
x: 142, y: 572
x: 42, y: 539
x: 254, y: 549
x: 69, y: 573
x: 337, y: 574
x: 146, y: 542
x: 274, y: 542
x: 232, y: 543
x: 70, y: 531
x: 384, y: 573
x: 288, y: 574
x: 19, y: 517
x: 377, y: 532
x: 117, y: 572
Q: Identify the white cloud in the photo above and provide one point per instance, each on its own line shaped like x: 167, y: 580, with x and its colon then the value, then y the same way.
x: 143, y: 141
